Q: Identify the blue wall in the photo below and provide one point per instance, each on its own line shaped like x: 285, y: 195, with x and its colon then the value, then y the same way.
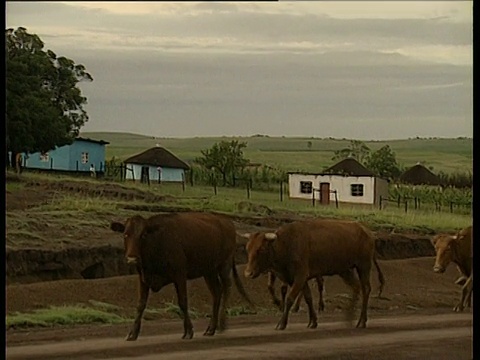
x: 167, y: 174
x: 69, y: 157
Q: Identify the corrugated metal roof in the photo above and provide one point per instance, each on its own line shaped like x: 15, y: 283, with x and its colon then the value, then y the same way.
x: 102, y: 142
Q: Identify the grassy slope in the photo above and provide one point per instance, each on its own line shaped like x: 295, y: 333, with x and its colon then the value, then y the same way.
x: 292, y: 153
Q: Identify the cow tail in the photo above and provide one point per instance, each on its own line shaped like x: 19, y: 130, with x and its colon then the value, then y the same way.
x: 239, y: 284
x: 381, y: 278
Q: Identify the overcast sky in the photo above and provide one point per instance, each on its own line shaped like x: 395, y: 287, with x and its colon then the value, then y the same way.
x: 358, y: 70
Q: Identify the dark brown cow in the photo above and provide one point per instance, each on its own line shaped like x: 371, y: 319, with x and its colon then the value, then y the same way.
x: 283, y: 291
x: 456, y: 249
x: 306, y: 249
x: 173, y: 248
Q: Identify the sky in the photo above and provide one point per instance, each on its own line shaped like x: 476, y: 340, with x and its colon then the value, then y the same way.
x: 375, y: 70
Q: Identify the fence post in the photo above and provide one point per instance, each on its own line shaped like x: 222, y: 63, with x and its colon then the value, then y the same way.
x: 380, y: 203
x: 406, y: 205
x: 451, y: 206
x: 76, y: 165
x: 398, y: 200
x: 51, y: 163
x: 336, y: 199
x: 183, y: 182
x: 281, y: 190
x: 248, y: 190
x: 313, y: 197
x: 415, y: 200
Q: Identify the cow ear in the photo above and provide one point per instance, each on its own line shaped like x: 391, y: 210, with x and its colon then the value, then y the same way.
x: 270, y: 236
x: 457, y: 239
x: 117, y: 227
x: 242, y: 239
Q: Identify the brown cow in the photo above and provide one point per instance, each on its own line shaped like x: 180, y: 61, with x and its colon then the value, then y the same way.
x: 173, y: 248
x: 306, y: 249
x: 456, y: 249
x: 283, y: 291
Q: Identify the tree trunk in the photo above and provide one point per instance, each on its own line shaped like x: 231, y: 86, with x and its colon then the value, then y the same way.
x: 7, y: 159
x: 13, y: 156
x: 18, y: 163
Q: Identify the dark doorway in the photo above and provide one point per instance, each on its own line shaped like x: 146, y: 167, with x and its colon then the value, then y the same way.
x: 145, y: 178
x: 325, y: 193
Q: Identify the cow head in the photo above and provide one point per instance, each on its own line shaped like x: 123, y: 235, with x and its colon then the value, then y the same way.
x: 259, y: 253
x: 445, y: 249
x: 132, y: 234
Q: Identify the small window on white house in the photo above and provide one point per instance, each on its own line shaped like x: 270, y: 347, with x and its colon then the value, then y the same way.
x: 84, y: 157
x: 306, y: 187
x: 44, y: 157
x: 356, y: 189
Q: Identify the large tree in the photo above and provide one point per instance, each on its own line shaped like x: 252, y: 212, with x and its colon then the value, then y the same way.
x: 44, y: 106
x: 356, y: 149
x: 383, y: 163
x: 225, y: 157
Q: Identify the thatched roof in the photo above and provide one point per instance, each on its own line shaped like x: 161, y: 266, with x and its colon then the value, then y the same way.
x: 349, y: 166
x: 419, y: 175
x: 157, y: 156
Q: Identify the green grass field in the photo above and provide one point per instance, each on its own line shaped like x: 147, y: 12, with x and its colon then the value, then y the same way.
x: 293, y: 154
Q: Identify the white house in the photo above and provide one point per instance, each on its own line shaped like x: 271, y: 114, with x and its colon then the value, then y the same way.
x: 155, y: 164
x: 348, y: 180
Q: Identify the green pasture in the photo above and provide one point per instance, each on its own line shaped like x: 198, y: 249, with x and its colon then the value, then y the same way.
x: 74, y: 211
x: 294, y: 154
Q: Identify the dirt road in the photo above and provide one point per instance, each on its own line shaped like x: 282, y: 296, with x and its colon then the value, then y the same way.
x: 443, y: 336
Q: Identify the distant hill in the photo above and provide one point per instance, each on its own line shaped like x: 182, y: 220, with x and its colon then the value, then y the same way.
x: 294, y: 153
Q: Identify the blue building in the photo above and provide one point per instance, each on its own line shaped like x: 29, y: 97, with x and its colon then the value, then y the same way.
x: 155, y: 164
x: 77, y: 157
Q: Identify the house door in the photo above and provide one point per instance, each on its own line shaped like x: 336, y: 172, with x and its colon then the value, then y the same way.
x: 145, y: 178
x: 324, y: 193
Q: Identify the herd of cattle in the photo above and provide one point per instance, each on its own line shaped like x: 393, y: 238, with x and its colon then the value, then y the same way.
x: 174, y: 248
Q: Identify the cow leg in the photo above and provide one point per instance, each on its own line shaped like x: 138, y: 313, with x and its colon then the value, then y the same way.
x: 364, y: 276
x: 143, y: 291
x: 271, y: 289
x: 321, y: 303
x: 226, y: 286
x: 466, y: 295
x: 469, y: 285
x: 283, y: 294
x: 312, y: 315
x: 295, y: 290
x: 349, y: 278
x: 215, y: 287
x: 296, y: 304
x: 181, y: 289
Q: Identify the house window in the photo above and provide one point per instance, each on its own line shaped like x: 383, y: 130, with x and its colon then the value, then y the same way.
x: 356, y: 189
x: 306, y: 187
x: 44, y: 157
x: 84, y: 157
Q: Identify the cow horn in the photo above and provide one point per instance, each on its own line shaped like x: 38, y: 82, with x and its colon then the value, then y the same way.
x: 270, y: 236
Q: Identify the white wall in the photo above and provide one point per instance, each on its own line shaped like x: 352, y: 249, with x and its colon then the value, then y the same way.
x: 337, y: 182
x: 167, y: 174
